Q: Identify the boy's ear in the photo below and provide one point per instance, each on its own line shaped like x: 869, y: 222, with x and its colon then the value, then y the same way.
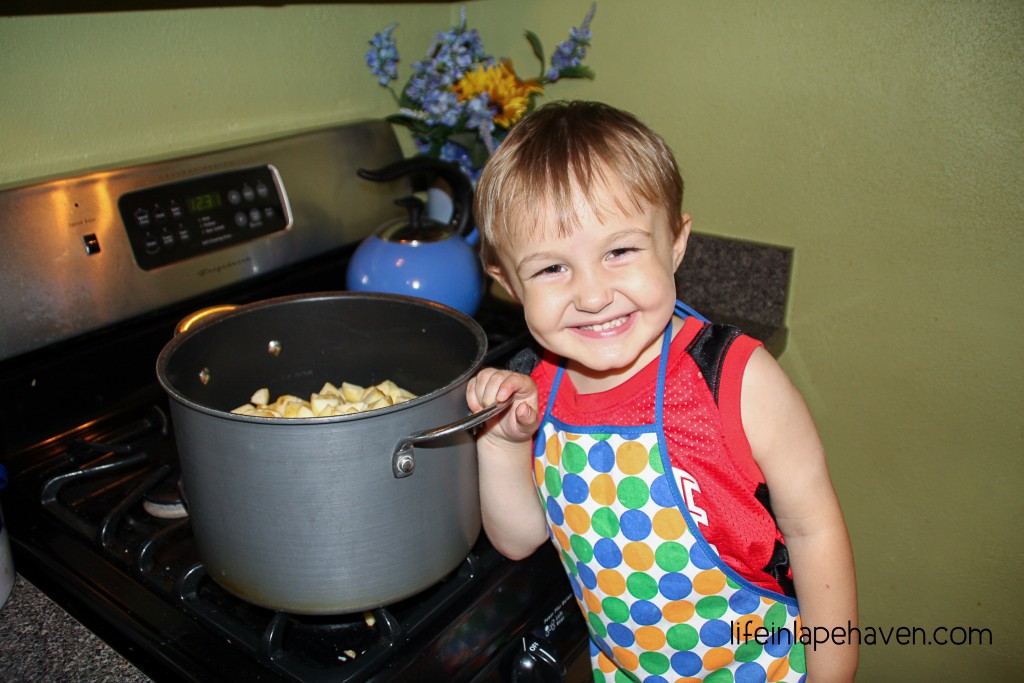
x: 679, y: 245
x: 499, y: 275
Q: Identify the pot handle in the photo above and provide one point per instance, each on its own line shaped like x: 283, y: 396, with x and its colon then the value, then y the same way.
x: 403, y: 461
x: 201, y: 317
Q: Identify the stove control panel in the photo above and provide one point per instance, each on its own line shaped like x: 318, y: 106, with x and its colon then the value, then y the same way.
x: 176, y: 221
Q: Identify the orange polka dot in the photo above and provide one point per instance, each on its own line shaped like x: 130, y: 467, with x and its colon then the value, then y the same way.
x: 668, y: 523
x: 538, y: 471
x: 748, y: 623
x: 650, y: 637
x: 688, y: 679
x: 631, y: 457
x: 638, y: 555
x: 577, y: 519
x: 561, y: 537
x: 604, y: 663
x: 602, y: 489
x: 611, y: 582
x: 554, y: 450
x: 678, y: 611
x: 717, y: 657
x: 626, y: 659
x: 709, y: 582
x: 778, y: 669
x: 592, y: 601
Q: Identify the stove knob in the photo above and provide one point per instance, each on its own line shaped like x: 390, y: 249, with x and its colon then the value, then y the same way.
x: 536, y: 665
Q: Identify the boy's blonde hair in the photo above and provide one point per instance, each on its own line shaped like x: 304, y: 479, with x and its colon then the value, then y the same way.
x: 566, y: 150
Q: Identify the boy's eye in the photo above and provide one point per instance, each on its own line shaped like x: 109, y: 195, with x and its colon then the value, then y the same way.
x: 622, y: 251
x: 549, y: 270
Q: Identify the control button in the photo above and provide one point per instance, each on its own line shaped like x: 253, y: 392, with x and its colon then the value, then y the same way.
x: 92, y: 245
x: 141, y: 218
x: 269, y: 212
x: 167, y: 238
x: 247, y: 193
x: 241, y: 220
x: 255, y: 218
x: 151, y: 244
x: 176, y: 211
x: 159, y: 215
x: 234, y: 197
x: 262, y: 190
x: 184, y: 236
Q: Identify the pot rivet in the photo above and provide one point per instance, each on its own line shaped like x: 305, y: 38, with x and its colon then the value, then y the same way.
x: 204, y: 375
x: 405, y: 464
x: 274, y: 347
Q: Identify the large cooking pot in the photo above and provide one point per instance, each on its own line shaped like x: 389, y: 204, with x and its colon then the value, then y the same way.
x: 327, y: 515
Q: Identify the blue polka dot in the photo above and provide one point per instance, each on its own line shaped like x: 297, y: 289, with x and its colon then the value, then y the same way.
x: 686, y: 663
x: 555, y: 512
x: 601, y: 456
x: 576, y: 590
x: 575, y: 488
x: 793, y: 610
x: 607, y: 553
x: 635, y: 525
x: 587, y: 576
x: 699, y: 557
x: 621, y: 635
x: 645, y: 612
x: 715, y: 633
x: 779, y: 642
x: 655, y: 679
x: 744, y: 602
x: 662, y: 492
x: 750, y: 672
x: 675, y: 586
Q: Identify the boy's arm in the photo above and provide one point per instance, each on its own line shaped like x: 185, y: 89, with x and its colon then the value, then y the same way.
x: 512, y: 515
x: 786, y: 446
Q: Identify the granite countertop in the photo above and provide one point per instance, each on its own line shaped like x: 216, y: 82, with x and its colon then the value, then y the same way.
x: 39, y: 641
x: 737, y: 282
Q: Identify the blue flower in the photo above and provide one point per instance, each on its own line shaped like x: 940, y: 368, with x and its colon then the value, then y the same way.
x: 570, y: 54
x: 382, y: 57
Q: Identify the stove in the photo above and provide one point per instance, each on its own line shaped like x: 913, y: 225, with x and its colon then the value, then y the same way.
x: 102, y: 266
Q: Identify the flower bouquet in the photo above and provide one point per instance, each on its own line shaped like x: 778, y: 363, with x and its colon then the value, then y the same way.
x: 460, y: 102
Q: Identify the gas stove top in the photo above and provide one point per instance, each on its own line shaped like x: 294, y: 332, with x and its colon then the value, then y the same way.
x: 92, y: 505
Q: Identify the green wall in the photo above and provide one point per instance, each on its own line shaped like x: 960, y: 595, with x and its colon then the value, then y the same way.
x: 881, y: 140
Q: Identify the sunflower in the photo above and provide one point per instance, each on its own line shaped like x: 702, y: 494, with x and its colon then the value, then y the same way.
x: 509, y: 96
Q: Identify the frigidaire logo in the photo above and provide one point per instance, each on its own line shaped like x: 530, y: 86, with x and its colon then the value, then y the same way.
x: 216, y: 269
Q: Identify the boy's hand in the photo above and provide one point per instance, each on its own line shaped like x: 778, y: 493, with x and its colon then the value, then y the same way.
x: 518, y: 423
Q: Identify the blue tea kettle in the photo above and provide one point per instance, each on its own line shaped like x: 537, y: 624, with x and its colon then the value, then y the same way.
x: 417, y: 255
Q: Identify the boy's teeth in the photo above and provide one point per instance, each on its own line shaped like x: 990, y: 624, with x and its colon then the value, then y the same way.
x: 604, y: 326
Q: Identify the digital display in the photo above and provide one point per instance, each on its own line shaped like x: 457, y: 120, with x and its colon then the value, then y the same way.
x: 203, y: 202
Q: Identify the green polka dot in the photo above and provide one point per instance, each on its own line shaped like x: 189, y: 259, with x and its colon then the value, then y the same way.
x: 605, y: 522
x: 615, y: 609
x: 731, y: 583
x: 633, y: 492
x: 597, y: 624
x: 798, y: 658
x: 775, y: 617
x: 720, y: 676
x: 624, y: 677
x: 601, y: 437
x: 749, y: 651
x: 642, y: 586
x: 574, y: 458
x: 655, y: 460
x: 581, y: 546
x: 672, y: 556
x: 682, y: 637
x: 598, y: 676
x: 553, y: 481
x: 569, y: 563
x: 654, y: 662
x: 712, y: 607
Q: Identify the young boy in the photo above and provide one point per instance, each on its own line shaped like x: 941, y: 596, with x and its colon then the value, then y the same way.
x: 679, y: 473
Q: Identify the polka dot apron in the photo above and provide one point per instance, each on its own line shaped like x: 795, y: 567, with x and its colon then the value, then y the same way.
x: 660, y: 603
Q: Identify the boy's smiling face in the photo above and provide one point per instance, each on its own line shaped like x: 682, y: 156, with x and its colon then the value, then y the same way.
x: 602, y: 295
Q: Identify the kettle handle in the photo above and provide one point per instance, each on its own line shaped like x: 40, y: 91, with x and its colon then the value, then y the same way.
x: 462, y: 190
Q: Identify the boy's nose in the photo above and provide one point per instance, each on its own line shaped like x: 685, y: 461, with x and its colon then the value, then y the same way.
x: 592, y: 294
